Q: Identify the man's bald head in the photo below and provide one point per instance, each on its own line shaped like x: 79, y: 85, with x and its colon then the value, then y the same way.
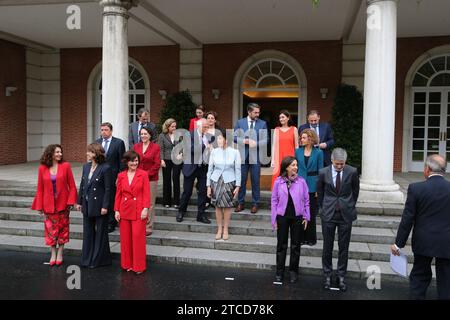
x: 435, y: 164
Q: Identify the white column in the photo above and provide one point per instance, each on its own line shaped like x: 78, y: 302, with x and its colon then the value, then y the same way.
x: 377, y: 183
x: 115, y: 66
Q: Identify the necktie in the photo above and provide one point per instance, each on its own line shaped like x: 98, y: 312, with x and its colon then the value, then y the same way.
x: 338, y: 182
x: 106, y: 145
x: 252, y: 126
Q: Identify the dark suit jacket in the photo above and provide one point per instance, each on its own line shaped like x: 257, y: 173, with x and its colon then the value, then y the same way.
x: 325, y: 135
x: 240, y: 130
x: 347, y: 197
x: 114, y: 156
x: 97, y: 190
x: 133, y: 133
x: 193, y: 158
x: 427, y: 208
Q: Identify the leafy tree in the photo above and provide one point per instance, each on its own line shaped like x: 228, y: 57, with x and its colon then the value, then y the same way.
x: 180, y: 107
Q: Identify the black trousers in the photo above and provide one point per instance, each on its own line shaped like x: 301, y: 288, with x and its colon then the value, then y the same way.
x: 344, y: 234
x: 111, y: 214
x: 171, y: 174
x: 310, y: 234
x: 95, y: 251
x: 294, y: 225
x: 188, y: 186
x: 421, y: 275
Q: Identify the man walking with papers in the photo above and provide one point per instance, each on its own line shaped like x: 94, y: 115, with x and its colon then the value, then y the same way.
x: 427, y: 208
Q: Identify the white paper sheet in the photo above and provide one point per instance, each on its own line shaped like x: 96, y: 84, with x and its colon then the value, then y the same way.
x: 399, y: 264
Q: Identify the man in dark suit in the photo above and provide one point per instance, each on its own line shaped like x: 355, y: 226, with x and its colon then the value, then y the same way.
x: 324, y: 132
x: 195, y: 167
x: 135, y: 127
x: 250, y: 133
x: 427, y: 212
x: 114, y: 150
x: 338, y: 191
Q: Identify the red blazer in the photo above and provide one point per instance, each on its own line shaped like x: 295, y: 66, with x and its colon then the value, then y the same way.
x: 192, y: 123
x: 131, y: 199
x: 150, y: 160
x: 65, y: 188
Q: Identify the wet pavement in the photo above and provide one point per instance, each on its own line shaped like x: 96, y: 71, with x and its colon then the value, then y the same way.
x: 25, y: 276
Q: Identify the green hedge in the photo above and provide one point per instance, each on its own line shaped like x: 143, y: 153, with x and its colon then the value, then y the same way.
x: 180, y: 107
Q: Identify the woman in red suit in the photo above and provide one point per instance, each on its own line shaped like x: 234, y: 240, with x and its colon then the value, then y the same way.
x: 131, y: 206
x: 199, y: 112
x: 149, y: 153
x: 56, y: 194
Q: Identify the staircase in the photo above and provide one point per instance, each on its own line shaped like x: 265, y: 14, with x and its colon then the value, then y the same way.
x: 252, y: 242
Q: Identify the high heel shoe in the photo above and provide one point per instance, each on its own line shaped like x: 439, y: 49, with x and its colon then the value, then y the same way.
x: 225, y: 236
x: 219, y: 235
x: 59, y: 262
x: 52, y: 263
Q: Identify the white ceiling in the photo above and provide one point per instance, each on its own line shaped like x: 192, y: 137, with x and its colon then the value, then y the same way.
x: 193, y: 22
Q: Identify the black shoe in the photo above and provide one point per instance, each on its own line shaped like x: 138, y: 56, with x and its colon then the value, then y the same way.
x: 341, y: 284
x: 111, y: 228
x: 278, y: 278
x: 293, y: 277
x: 327, y: 283
x: 180, y: 216
x: 204, y: 220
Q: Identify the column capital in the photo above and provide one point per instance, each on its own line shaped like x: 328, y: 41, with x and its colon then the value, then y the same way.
x: 370, y: 2
x: 125, y: 4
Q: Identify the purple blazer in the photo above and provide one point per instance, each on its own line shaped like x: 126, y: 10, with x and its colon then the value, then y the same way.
x: 299, y: 194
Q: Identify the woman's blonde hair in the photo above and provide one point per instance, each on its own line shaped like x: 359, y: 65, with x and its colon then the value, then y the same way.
x: 167, y: 124
x: 312, y: 135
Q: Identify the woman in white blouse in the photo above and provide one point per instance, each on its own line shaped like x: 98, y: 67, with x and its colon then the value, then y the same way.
x: 223, y: 182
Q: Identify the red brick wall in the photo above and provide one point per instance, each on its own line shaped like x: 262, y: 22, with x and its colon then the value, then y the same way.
x: 408, y: 50
x: 13, y: 109
x: 321, y: 61
x: 162, y: 67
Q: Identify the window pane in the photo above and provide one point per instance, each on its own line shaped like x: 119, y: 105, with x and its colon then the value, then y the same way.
x: 420, y: 81
x: 254, y: 73
x: 419, y: 121
x: 420, y: 97
x: 427, y: 70
x: 434, y: 121
x: 441, y: 80
x: 418, y: 133
x: 418, y: 144
x: 135, y: 76
x: 265, y: 67
x: 130, y: 85
x: 249, y: 83
x: 270, y: 82
x: 439, y: 63
x: 433, y: 145
x: 286, y: 73
x: 276, y: 67
x: 140, y: 84
x: 131, y: 98
x: 435, y: 97
x: 292, y: 82
x: 417, y: 156
x: 419, y: 109
x: 433, y: 133
x: 434, y: 109
x: 140, y: 98
x: 100, y: 85
x: 448, y: 62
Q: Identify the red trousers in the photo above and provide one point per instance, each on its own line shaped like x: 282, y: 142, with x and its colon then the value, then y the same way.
x: 133, y: 245
x: 57, y: 228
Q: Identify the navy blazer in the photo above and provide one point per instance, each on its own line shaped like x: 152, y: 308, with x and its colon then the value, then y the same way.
x: 325, y: 135
x: 427, y: 212
x: 191, y: 163
x: 240, y: 133
x: 114, y: 155
x: 311, y: 172
x: 95, y: 194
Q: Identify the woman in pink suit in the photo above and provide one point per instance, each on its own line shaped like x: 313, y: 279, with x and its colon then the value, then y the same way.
x: 56, y: 193
x: 131, y: 205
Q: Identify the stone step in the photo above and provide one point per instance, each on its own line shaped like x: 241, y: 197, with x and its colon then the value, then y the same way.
x: 263, y: 215
x: 357, y: 268
x: 237, y: 228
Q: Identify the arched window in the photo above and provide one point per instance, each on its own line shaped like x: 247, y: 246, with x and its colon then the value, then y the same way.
x: 433, y: 73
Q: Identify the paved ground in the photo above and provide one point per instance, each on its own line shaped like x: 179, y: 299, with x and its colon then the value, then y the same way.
x: 24, y: 276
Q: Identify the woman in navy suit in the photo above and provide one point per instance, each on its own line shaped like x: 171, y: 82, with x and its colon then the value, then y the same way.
x: 310, y: 161
x: 93, y: 201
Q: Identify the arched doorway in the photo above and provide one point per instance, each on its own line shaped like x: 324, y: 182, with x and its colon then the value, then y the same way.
x: 275, y: 81
x: 430, y: 111
x: 139, y: 96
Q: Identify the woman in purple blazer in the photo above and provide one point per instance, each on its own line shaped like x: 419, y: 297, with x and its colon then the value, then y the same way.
x: 290, y: 211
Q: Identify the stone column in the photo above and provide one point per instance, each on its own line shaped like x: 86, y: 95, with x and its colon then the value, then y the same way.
x: 115, y: 66
x: 377, y: 183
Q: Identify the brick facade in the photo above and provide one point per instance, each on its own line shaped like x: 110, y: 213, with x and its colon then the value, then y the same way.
x: 13, y: 109
x: 160, y: 63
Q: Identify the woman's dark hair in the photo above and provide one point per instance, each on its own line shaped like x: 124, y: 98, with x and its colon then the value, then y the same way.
x: 98, y: 151
x: 200, y: 107
x: 214, y: 114
x: 286, y: 162
x: 149, y: 131
x: 130, y: 156
x: 47, y: 156
x: 288, y: 115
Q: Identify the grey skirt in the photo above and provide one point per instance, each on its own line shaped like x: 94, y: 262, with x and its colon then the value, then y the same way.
x: 222, y: 194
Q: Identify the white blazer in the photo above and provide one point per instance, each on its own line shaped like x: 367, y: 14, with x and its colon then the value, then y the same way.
x: 225, y: 163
